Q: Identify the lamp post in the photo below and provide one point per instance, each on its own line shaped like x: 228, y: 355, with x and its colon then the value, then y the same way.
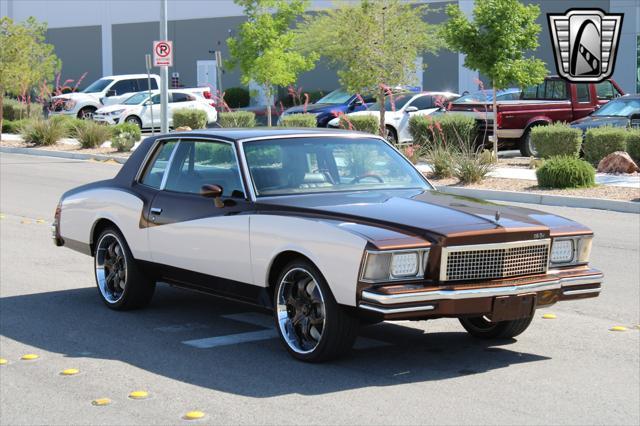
x: 164, y: 72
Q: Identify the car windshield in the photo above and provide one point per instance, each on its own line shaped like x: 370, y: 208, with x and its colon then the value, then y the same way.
x: 136, y: 99
x: 328, y: 164
x: 619, y: 108
x: 336, y: 97
x: 398, y: 101
x: 98, y: 86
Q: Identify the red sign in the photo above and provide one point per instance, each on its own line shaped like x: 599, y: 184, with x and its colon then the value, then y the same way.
x: 163, y: 53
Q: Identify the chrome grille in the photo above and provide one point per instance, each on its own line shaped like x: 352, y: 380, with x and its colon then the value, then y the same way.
x: 487, y: 261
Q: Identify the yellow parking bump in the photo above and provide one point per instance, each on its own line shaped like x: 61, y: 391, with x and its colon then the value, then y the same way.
x: 69, y: 372
x: 139, y: 394
x: 549, y: 316
x: 618, y: 328
x: 3, y: 361
x: 193, y: 415
x: 29, y: 357
x: 101, y: 401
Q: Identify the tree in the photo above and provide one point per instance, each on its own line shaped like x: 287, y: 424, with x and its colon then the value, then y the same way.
x: 373, y: 43
x: 494, y: 44
x: 263, y: 48
x: 25, y: 59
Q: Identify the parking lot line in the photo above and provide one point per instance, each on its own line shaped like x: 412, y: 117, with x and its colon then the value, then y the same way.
x: 255, y: 318
x: 232, y: 339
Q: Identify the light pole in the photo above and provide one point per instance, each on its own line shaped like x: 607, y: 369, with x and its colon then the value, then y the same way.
x: 164, y: 72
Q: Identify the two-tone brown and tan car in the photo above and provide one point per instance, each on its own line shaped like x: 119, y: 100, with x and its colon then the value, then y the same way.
x: 326, y: 228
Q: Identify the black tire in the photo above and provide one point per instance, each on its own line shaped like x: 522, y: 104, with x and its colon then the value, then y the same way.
x: 482, y: 328
x: 339, y: 328
x: 86, y: 113
x: 392, y: 135
x: 526, y: 147
x: 138, y: 287
x: 135, y: 120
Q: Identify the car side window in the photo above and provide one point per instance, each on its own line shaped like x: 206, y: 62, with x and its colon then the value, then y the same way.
x: 582, y: 92
x: 198, y: 163
x: 423, y: 102
x: 605, y: 90
x: 124, y: 86
x: 533, y: 92
x: 156, y: 167
x: 555, y: 89
x: 156, y: 99
x: 182, y: 97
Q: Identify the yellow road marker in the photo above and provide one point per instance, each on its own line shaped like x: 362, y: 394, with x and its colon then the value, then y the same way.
x: 40, y: 221
x: 140, y: 394
x: 69, y: 372
x: 25, y: 222
x: 549, y: 316
x: 194, y: 415
x: 101, y: 401
x: 2, y: 216
x: 3, y: 361
x: 618, y: 328
x: 29, y: 357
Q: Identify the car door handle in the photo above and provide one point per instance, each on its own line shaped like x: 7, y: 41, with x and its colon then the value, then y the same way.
x: 156, y: 210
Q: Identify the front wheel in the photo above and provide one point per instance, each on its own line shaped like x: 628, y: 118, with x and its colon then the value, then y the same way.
x: 483, y: 328
x: 134, y: 120
x: 310, y: 323
x: 391, y: 135
x: 86, y: 113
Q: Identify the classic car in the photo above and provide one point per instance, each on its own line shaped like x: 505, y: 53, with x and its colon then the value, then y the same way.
x: 325, y: 227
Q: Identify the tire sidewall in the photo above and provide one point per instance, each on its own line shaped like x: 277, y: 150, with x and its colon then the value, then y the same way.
x: 83, y: 113
x: 129, y: 264
x: 135, y: 120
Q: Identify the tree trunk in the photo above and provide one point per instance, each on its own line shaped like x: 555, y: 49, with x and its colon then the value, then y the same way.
x: 495, y: 125
x: 268, y: 93
x: 382, y: 129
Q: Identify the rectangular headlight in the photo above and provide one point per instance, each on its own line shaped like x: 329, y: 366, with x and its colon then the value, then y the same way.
x: 571, y: 250
x: 394, y: 265
x: 404, y: 264
x: 562, y: 251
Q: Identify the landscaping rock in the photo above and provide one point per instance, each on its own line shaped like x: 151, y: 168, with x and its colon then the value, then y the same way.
x: 617, y: 162
x: 183, y: 129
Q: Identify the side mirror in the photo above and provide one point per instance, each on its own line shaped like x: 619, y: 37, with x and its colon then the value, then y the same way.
x: 411, y: 109
x: 110, y: 93
x: 212, y: 191
x: 148, y: 103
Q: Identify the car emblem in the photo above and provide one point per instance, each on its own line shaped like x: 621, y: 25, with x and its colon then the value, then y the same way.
x: 497, y: 215
x: 585, y: 42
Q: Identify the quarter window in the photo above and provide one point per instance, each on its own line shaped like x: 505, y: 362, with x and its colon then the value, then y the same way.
x: 423, y: 102
x: 181, y: 97
x: 124, y: 86
x: 155, y: 171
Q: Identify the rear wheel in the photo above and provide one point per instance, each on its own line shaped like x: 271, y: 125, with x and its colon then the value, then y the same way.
x: 310, y: 323
x: 121, y: 282
x: 483, y: 328
x: 392, y: 135
x: 134, y: 120
x: 527, y: 149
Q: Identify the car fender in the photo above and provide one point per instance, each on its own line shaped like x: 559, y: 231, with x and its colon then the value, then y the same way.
x: 537, y: 120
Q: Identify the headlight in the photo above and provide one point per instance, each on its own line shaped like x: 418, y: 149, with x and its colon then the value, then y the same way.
x: 116, y: 112
x: 571, y: 250
x: 394, y: 265
x: 69, y: 105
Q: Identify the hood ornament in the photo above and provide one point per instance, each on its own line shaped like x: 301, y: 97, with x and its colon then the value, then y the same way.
x: 497, y: 215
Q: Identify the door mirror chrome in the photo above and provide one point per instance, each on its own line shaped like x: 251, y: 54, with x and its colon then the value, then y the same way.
x: 212, y: 191
x: 411, y: 109
x: 110, y: 93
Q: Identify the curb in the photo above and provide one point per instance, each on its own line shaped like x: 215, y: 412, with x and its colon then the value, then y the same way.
x: 543, y: 199
x: 61, y: 154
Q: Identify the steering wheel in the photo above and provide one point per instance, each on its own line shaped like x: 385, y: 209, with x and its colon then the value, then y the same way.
x: 368, y: 175
x: 326, y: 174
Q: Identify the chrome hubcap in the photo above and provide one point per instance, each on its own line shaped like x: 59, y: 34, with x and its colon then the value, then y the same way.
x: 111, y: 268
x: 300, y: 310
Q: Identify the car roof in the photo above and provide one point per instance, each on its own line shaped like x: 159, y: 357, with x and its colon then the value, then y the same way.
x: 237, y: 134
x: 629, y: 96
x: 124, y: 76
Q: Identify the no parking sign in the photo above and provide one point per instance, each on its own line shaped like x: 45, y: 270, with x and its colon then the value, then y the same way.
x: 163, y: 53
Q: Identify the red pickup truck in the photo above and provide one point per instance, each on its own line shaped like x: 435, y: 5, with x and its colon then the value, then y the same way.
x: 552, y: 100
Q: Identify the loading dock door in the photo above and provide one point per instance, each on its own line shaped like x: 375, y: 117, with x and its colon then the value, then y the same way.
x: 207, y: 74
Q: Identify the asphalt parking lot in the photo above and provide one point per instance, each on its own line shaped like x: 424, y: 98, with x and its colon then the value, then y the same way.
x: 190, y: 351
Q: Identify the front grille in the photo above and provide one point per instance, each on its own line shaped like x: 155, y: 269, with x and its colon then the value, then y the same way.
x: 488, y: 261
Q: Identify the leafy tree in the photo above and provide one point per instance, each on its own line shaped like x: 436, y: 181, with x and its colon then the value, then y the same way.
x: 25, y: 59
x: 263, y: 48
x: 494, y: 44
x: 373, y: 43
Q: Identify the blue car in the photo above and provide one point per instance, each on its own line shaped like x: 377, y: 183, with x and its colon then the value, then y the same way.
x: 334, y: 103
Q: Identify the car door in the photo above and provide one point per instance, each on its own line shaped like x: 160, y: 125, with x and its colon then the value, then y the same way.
x: 187, y: 232
x: 179, y: 100
x: 425, y: 106
x: 149, y: 111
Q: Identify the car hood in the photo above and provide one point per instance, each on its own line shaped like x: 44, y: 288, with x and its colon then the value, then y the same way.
x: 315, y: 108
x: 76, y: 96
x: 591, y: 121
x: 431, y: 214
x: 115, y: 107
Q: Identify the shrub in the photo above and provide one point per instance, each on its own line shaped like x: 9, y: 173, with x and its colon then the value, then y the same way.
x: 556, y: 139
x: 633, y: 144
x: 441, y: 159
x: 471, y: 166
x: 91, y: 134
x: 602, y: 141
x: 193, y: 118
x: 16, y: 110
x: 125, y: 135
x: 298, y: 120
x: 68, y: 122
x: 237, y: 97
x: 237, y: 119
x: 446, y: 128
x: 42, y: 132
x: 362, y: 123
x: 14, y: 126
x: 566, y: 172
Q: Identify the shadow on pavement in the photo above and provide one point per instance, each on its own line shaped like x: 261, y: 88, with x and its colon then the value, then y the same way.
x: 75, y: 323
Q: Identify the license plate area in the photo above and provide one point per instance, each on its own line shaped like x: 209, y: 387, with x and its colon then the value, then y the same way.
x: 507, y: 308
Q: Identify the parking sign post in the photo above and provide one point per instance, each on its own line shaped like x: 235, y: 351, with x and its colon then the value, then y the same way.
x: 158, y: 51
x: 147, y: 61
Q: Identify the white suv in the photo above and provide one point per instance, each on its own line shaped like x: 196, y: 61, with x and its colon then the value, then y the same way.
x: 106, y: 91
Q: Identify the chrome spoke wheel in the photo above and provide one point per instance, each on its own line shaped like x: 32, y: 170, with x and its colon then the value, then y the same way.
x: 300, y: 310
x: 111, y: 267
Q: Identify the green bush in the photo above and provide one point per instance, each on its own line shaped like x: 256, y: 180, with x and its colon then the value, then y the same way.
x: 566, y: 172
x: 125, y: 135
x: 556, y: 139
x: 16, y: 110
x: 633, y: 144
x: 237, y: 97
x: 237, y: 119
x: 68, y: 122
x: 91, y: 134
x: 42, y: 132
x: 187, y: 117
x: 299, y: 120
x: 602, y: 141
x: 441, y: 159
x: 451, y: 129
x: 471, y: 166
x: 361, y: 123
x: 14, y: 127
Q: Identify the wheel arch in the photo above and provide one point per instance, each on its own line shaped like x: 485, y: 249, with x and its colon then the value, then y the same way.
x: 279, y: 262
x: 99, y: 226
x: 536, y: 121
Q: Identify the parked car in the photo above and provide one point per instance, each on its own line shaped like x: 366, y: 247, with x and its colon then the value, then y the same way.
x: 620, y: 112
x: 550, y: 101
x: 328, y: 107
x: 114, y: 88
x: 512, y: 94
x: 400, y: 108
x: 140, y: 108
x: 323, y: 227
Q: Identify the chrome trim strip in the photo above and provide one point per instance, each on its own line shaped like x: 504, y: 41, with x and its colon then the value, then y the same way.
x: 397, y: 310
x: 584, y: 280
x: 581, y: 291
